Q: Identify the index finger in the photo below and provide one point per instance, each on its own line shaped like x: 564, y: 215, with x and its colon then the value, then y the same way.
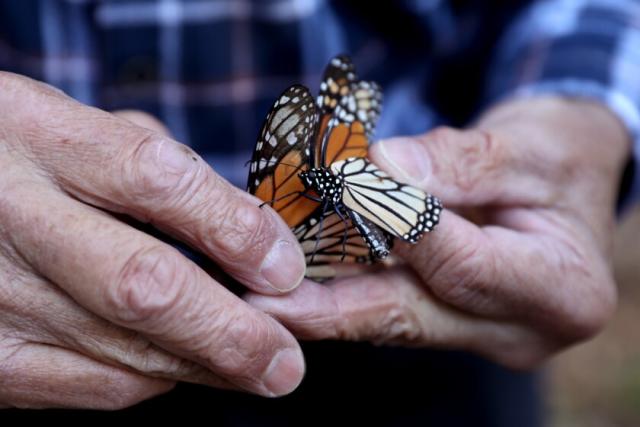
x: 109, y: 162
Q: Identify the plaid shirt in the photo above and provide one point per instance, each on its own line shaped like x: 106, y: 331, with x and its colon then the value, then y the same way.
x: 211, y: 69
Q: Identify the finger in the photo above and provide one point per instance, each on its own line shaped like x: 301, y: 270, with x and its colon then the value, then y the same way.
x: 133, y: 280
x: 464, y: 167
x: 386, y: 307
x: 52, y: 317
x: 143, y: 119
x: 464, y: 266
x: 394, y: 308
x: 111, y: 163
x: 42, y: 376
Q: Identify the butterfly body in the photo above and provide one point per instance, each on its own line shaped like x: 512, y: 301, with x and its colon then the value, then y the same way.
x: 328, y: 186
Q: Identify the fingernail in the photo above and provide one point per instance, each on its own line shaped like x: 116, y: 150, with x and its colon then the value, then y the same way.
x: 285, y: 372
x: 174, y: 157
x: 408, y: 158
x: 284, y: 266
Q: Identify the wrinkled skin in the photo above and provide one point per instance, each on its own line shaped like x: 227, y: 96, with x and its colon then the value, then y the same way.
x: 518, y: 268
x: 97, y: 314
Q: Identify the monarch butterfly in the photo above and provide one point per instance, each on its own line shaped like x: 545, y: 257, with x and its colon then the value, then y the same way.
x: 310, y: 165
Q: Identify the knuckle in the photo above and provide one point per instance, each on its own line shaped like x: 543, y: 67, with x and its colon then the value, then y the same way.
x: 117, y: 400
x: 516, y: 347
x: 248, y: 344
x: 157, y: 168
x: 13, y: 373
x: 12, y: 85
x: 440, y: 139
x: 398, y: 307
x: 140, y: 354
x: 587, y: 317
x: 463, y: 277
x: 484, y: 145
x: 568, y: 163
x: 118, y: 392
x: 150, y: 285
x: 10, y: 82
x: 240, y: 230
x: 476, y: 155
x: 115, y: 396
x: 480, y: 155
x: 8, y: 351
x: 588, y: 297
x: 440, y: 135
x: 143, y: 119
x: 399, y: 324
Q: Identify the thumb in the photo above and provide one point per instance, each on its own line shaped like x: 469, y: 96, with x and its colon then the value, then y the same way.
x: 462, y: 167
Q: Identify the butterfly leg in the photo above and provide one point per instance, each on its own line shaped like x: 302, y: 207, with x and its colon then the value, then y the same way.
x: 272, y: 201
x: 325, y: 206
x: 310, y: 197
x: 345, y: 235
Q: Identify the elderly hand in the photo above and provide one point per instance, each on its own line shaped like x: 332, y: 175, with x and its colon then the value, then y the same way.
x: 98, y: 314
x: 518, y: 267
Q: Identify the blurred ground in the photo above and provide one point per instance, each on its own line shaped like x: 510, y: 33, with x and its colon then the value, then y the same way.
x: 597, y: 384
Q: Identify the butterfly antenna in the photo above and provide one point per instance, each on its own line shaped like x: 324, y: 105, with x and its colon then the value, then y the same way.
x: 345, y: 235
x: 289, y: 164
x: 277, y: 199
x: 248, y: 162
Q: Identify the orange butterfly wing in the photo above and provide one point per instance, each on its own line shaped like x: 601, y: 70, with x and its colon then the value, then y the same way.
x: 282, y: 152
x: 339, y: 76
x: 295, y: 208
x: 350, y: 128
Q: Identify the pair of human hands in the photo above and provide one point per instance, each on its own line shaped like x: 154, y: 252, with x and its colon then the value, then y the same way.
x: 98, y: 314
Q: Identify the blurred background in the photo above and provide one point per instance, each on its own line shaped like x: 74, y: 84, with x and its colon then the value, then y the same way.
x: 597, y: 384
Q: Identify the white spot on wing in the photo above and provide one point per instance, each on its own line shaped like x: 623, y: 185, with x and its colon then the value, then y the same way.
x: 292, y: 138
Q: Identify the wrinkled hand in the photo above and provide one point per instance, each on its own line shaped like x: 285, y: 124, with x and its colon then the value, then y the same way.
x: 95, y: 313
x: 518, y: 267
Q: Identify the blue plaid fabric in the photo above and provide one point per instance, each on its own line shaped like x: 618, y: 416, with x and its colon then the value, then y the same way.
x: 211, y: 69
